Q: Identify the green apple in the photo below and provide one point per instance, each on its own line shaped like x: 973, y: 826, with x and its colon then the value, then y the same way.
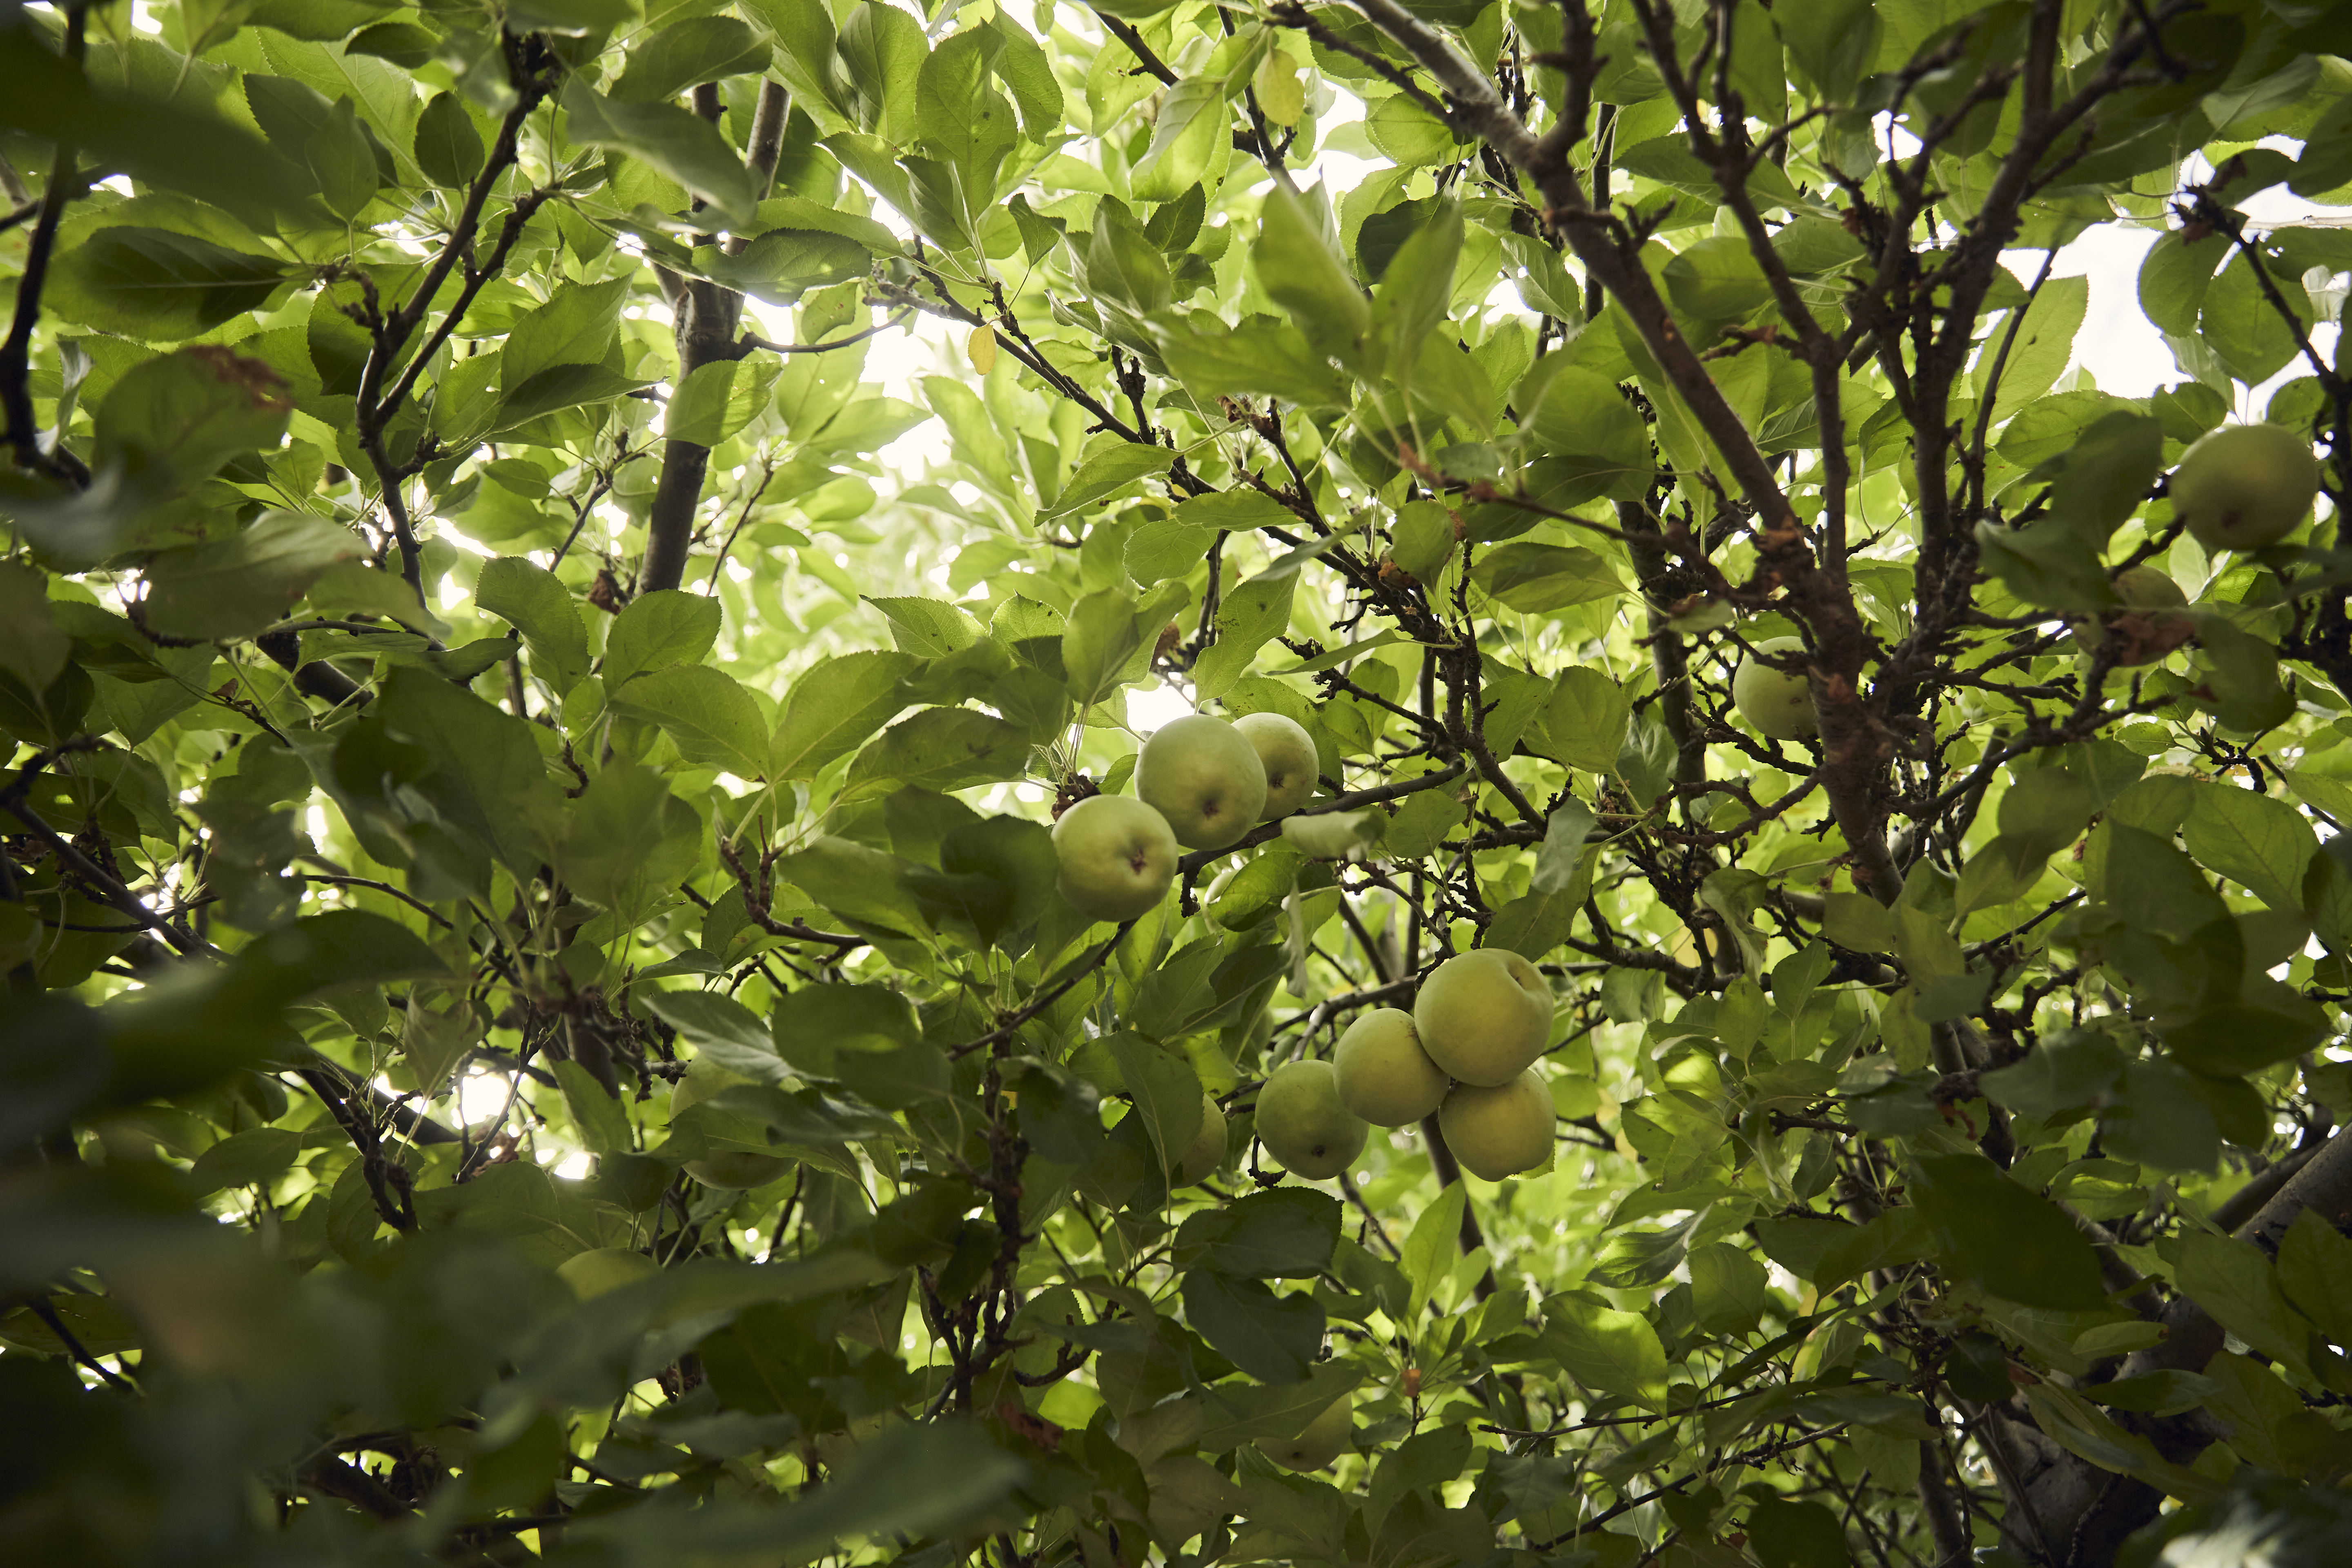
x: 1385, y: 1076
x: 1484, y: 1015
x: 1203, y: 776
x: 1116, y: 857
x: 1498, y: 1132
x: 2144, y: 588
x: 1777, y: 704
x: 1303, y: 1124
x: 1325, y: 1439
x: 2245, y: 486
x: 1202, y: 1157
x: 1286, y: 751
x: 604, y: 1268
x: 728, y: 1167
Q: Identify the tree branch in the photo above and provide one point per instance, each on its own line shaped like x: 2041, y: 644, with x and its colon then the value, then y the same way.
x: 16, y: 351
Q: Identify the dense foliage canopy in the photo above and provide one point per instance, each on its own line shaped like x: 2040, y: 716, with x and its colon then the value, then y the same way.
x: 542, y: 1018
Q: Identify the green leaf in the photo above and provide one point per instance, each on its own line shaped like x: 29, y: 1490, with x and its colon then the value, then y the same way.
x: 1272, y: 1338
x: 1165, y: 1090
x: 1717, y: 279
x: 1858, y: 920
x: 962, y: 119
x: 1583, y: 724
x: 155, y: 284
x: 2064, y: 1073
x: 1411, y: 301
x: 1588, y: 439
x: 911, y: 1478
x: 929, y: 626
x: 684, y: 54
x: 2052, y: 567
x: 883, y: 50
x: 2044, y: 344
x: 1801, y: 1534
x: 834, y: 709
x: 1409, y: 133
x: 1637, y: 1259
x: 866, y: 1036
x: 1609, y: 1351
x: 1429, y: 1246
x: 1101, y: 636
x: 2016, y: 1243
x: 1284, y: 1233
x: 2109, y: 468
x: 627, y: 840
x: 1190, y: 140
x: 1237, y: 1413
x: 559, y: 387
x: 574, y: 18
x: 575, y: 327
x: 344, y: 161
x: 1110, y: 471
x: 192, y: 412
x: 784, y: 265
x: 2243, y: 329
x: 485, y: 774
x: 2315, y: 1272
x: 657, y: 630
x: 671, y: 141
x: 32, y: 646
x: 2148, y: 883
x: 698, y: 408
x: 1538, y: 578
x: 2173, y: 278
x: 2161, y: 1120
x: 1294, y: 262
x: 1251, y: 614
x: 1728, y: 1287
x: 541, y: 608
x: 720, y: 1028
x: 1260, y: 355
x: 2234, y: 1281
x: 706, y: 711
x: 1898, y: 1237
x: 242, y: 583
x: 940, y: 749
x: 245, y: 1159
x: 2258, y: 840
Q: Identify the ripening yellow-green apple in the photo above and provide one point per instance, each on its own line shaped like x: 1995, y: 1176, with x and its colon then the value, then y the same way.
x: 1385, y: 1076
x: 1498, y: 1132
x: 1116, y: 857
x: 604, y: 1268
x: 728, y: 1167
x: 1779, y: 705
x: 1302, y: 1123
x: 1484, y: 1015
x: 2143, y: 589
x: 1286, y: 751
x: 1325, y: 1439
x: 1202, y: 1157
x: 2245, y: 486
x: 1203, y: 776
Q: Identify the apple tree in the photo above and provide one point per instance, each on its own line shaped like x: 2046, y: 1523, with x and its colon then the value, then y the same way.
x: 548, y: 1015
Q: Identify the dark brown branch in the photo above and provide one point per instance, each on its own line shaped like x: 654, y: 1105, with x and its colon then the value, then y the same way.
x: 16, y: 351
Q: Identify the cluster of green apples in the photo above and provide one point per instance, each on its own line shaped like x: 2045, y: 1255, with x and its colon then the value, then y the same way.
x: 1465, y: 1053
x: 2240, y: 488
x: 1201, y: 783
